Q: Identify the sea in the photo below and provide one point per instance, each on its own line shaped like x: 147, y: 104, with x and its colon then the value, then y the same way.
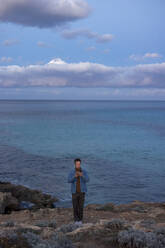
x: 121, y: 145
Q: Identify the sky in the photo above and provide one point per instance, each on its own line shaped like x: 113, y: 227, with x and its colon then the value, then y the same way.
x: 82, y: 50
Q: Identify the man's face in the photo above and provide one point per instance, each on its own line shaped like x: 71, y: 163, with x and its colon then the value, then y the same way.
x: 77, y: 165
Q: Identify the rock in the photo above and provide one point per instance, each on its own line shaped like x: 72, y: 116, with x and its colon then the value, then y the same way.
x: 46, y: 223
x: 140, y: 209
x: 8, y: 203
x: 26, y: 205
x: 148, y: 223
x: 66, y: 228
x: 9, y: 223
x: 22, y: 228
x: 113, y: 223
x: 63, y: 204
x: 106, y: 207
x: 132, y: 225
x: 28, y: 196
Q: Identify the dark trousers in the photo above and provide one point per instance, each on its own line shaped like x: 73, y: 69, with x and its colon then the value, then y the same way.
x: 78, y: 199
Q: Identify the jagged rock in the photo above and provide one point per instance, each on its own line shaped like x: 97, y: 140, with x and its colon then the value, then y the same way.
x: 8, y: 203
x: 26, y: 196
x: 26, y: 205
x: 106, y: 207
x: 9, y: 223
x: 27, y: 227
x: 46, y: 223
x: 148, y: 223
x: 66, y: 228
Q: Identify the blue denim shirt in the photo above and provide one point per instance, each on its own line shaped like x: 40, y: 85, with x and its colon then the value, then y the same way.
x: 83, y: 180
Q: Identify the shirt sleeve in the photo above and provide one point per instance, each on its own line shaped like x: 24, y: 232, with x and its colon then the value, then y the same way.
x: 85, y: 176
x: 71, y: 177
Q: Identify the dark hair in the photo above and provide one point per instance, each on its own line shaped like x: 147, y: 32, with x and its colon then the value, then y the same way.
x: 77, y: 159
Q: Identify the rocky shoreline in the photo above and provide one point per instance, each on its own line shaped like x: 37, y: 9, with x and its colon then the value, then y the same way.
x: 29, y: 218
x: 18, y: 197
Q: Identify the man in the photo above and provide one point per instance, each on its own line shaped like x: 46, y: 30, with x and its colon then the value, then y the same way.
x: 78, y: 178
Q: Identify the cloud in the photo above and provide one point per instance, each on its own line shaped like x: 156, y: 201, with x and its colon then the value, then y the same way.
x: 42, y: 13
x: 143, y: 93
x: 6, y: 59
x: 72, y: 34
x: 152, y: 55
x: 91, y: 48
x: 83, y: 75
x: 10, y: 42
x: 42, y: 44
x: 105, y: 38
x: 56, y: 61
x: 145, y: 56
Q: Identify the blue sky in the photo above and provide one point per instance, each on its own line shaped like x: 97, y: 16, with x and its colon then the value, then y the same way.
x: 76, y: 49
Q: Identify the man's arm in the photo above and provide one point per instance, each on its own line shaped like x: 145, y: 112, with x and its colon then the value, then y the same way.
x: 85, y: 176
x: 71, y: 177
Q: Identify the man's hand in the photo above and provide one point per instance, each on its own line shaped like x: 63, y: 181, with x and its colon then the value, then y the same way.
x: 78, y: 174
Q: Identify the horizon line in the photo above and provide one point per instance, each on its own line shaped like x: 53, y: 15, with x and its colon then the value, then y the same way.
x: 81, y: 100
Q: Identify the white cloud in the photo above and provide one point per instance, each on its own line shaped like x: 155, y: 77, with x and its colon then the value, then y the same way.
x: 105, y: 38
x: 56, y: 61
x: 6, y: 59
x: 133, y: 93
x: 145, y: 56
x: 42, y: 13
x: 72, y: 34
x: 91, y: 48
x: 10, y: 42
x: 152, y: 55
x: 41, y: 44
x: 84, y: 75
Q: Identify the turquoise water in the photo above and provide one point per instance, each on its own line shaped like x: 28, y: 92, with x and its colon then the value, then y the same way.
x: 121, y: 144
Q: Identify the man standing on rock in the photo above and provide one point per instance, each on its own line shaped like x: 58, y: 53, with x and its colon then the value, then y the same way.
x: 78, y: 178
